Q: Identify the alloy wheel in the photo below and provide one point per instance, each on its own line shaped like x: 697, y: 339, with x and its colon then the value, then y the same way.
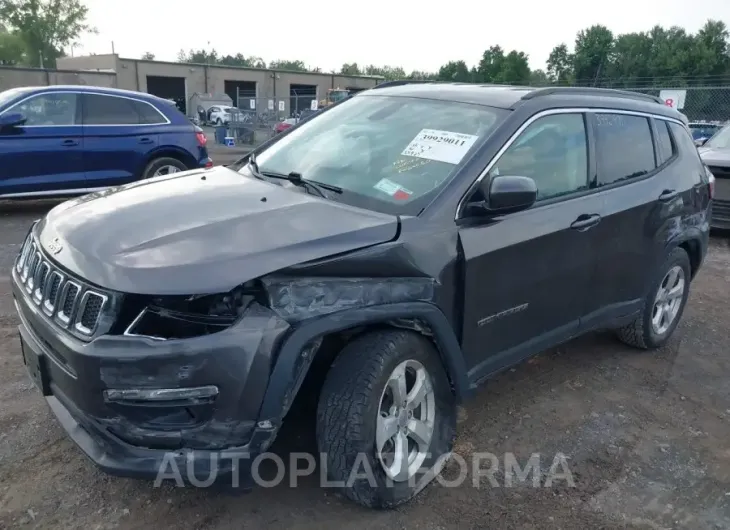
x: 405, y: 423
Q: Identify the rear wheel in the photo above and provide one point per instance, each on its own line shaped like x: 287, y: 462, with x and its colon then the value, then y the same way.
x: 386, y: 417
x: 663, y: 306
x: 163, y: 166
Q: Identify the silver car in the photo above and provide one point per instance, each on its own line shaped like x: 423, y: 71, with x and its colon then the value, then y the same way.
x: 715, y: 154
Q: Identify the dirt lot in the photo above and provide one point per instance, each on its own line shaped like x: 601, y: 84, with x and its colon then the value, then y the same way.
x: 646, y: 436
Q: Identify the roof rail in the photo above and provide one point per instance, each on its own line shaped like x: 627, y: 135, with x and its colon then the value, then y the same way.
x: 590, y: 91
x: 402, y: 82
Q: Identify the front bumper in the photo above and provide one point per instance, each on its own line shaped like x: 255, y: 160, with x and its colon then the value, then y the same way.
x: 138, y: 439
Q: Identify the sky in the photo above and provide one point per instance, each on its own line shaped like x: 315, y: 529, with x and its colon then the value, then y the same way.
x: 417, y: 35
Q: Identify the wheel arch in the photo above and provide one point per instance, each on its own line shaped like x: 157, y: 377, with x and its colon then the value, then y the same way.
x: 300, y: 348
x: 694, y: 243
x: 170, y: 151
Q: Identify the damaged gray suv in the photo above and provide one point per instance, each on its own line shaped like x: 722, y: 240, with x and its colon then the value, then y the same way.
x: 383, y: 258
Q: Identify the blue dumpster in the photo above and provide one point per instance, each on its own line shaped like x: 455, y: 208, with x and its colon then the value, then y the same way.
x: 220, y: 134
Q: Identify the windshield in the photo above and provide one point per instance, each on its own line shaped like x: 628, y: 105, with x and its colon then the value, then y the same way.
x: 390, y: 154
x: 721, y: 139
x: 9, y: 95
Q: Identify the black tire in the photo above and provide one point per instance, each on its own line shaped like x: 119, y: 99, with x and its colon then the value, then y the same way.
x: 640, y: 333
x: 157, y: 163
x: 349, y: 404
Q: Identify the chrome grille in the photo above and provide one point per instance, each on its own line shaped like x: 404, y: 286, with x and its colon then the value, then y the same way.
x: 68, y: 302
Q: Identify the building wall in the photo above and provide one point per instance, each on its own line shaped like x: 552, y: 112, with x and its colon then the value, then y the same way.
x: 11, y: 77
x: 88, y: 62
x: 131, y: 74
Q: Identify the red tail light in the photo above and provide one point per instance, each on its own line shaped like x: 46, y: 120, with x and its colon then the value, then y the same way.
x: 202, y: 138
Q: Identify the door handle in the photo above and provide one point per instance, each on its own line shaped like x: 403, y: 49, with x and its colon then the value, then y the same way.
x: 145, y: 140
x: 585, y: 221
x: 70, y: 143
x: 668, y: 195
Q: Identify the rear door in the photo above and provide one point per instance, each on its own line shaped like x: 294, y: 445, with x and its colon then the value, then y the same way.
x: 120, y: 134
x: 45, y: 155
x: 640, y: 176
x: 527, y: 273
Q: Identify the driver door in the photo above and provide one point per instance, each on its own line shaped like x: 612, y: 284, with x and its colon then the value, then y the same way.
x: 527, y: 272
x: 44, y: 155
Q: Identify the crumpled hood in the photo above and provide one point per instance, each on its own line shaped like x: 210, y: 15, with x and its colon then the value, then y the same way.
x: 715, y: 157
x: 202, y: 231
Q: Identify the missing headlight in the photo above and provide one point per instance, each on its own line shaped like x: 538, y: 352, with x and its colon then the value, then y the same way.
x: 183, y: 317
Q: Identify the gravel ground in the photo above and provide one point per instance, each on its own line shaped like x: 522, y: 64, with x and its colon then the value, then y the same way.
x: 645, y: 436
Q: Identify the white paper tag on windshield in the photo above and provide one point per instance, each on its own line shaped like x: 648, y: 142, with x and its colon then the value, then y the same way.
x: 441, y: 146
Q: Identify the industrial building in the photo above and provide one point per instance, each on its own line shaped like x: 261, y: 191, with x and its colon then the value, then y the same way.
x: 180, y: 81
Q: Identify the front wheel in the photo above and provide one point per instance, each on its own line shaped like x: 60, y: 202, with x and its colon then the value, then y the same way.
x: 663, y: 305
x: 386, y: 417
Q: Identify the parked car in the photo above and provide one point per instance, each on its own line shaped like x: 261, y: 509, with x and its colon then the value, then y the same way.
x: 67, y: 140
x: 283, y: 125
x: 288, y: 123
x: 702, y: 131
x: 386, y: 257
x: 221, y: 115
x: 715, y: 154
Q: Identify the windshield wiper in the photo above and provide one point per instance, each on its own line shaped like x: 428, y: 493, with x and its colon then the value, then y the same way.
x: 297, y: 179
x: 293, y: 177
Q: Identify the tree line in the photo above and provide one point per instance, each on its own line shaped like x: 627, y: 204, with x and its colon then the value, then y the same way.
x: 36, y: 32
x: 597, y: 57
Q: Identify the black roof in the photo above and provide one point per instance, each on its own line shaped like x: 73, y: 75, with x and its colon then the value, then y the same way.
x: 511, y: 97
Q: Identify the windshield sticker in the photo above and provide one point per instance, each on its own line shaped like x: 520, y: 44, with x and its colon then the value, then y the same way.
x: 441, y: 146
x: 396, y: 191
x: 406, y: 164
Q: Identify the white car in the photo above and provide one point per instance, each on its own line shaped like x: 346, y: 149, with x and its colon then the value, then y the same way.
x: 222, y: 115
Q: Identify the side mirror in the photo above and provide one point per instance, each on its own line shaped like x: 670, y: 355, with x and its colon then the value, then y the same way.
x: 13, y: 119
x: 507, y: 194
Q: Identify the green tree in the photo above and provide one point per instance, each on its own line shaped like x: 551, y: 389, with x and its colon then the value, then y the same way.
x: 539, y: 78
x: 630, y: 63
x: 148, y: 56
x: 491, y: 65
x: 515, y: 69
x: 418, y: 75
x: 390, y: 73
x: 294, y: 66
x: 592, y: 53
x: 12, y: 48
x: 456, y: 71
x: 45, y: 26
x: 560, y: 65
x: 201, y: 56
x: 350, y: 69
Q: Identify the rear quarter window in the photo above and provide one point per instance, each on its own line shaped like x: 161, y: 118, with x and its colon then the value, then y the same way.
x: 667, y: 147
x: 686, y: 146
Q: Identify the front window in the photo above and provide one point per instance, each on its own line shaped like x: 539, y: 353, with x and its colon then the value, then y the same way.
x: 721, y: 139
x: 390, y: 154
x: 53, y: 109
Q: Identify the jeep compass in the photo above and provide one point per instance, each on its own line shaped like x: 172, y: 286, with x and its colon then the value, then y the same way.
x: 403, y: 245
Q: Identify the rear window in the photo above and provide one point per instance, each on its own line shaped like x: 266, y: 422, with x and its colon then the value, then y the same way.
x: 112, y: 110
x: 624, y: 147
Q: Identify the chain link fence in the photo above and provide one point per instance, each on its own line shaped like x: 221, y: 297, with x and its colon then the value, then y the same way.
x: 256, y: 119
x: 699, y: 104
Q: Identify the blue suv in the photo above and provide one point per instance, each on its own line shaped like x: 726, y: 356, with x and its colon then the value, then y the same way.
x: 70, y: 140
